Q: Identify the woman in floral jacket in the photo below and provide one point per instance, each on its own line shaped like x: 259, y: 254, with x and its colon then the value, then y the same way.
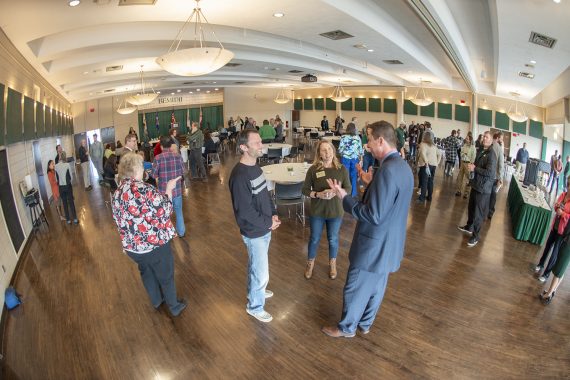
x: 142, y: 215
x: 350, y: 150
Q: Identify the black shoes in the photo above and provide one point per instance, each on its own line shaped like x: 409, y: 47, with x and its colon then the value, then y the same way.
x: 458, y: 193
x: 473, y: 241
x: 465, y: 229
x: 546, y: 300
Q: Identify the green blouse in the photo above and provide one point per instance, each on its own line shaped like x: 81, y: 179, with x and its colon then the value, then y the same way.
x: 316, y: 180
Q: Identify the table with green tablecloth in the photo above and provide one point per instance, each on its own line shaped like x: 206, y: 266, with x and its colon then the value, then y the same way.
x: 530, y: 215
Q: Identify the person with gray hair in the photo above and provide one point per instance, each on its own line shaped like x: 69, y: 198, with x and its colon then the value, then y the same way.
x: 142, y: 215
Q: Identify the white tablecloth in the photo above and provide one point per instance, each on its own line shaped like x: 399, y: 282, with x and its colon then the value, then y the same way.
x: 286, y: 148
x: 533, y: 198
x: 279, y: 173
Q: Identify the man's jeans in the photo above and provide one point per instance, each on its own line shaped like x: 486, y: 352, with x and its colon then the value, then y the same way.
x: 258, y: 271
x: 177, y: 205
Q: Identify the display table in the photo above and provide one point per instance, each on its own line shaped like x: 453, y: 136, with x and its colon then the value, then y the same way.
x: 280, y: 173
x: 530, y: 216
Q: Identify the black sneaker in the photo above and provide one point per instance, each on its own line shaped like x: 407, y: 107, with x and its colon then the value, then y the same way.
x: 473, y: 241
x: 458, y: 193
x: 465, y: 229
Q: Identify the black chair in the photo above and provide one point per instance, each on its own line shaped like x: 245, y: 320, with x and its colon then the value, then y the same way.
x: 293, y: 154
x: 280, y: 139
x: 336, y: 144
x: 112, y: 185
x: 288, y: 194
x: 266, y: 141
x: 274, y: 154
x: 329, y: 133
x: 301, y: 149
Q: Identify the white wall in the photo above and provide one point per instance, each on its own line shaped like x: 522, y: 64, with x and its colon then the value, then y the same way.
x: 533, y: 145
x: 255, y: 102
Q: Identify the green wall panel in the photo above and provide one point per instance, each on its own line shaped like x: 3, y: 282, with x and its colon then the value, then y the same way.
x: 544, y: 144
x: 58, y: 123
x: 308, y: 104
x: 48, y: 122
x: 40, y: 122
x: 330, y: 104
x: 463, y: 113
x: 180, y: 116
x: 29, y: 122
x: 319, y: 104
x: 360, y: 104
x: 374, y: 105
x: 298, y: 104
x: 484, y: 117
x: 428, y: 111
x: 2, y: 120
x: 390, y: 106
x: 519, y: 127
x: 501, y: 121
x: 535, y: 129
x: 14, y: 117
x: 444, y: 111
x: 410, y: 108
x: 346, y: 105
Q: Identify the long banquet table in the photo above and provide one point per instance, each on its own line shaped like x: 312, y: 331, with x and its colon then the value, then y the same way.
x: 530, y: 215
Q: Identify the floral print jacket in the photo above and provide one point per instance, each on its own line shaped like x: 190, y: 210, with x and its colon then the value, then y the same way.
x: 142, y: 215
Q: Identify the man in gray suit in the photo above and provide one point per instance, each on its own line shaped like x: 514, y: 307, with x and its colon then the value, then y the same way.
x: 378, y: 243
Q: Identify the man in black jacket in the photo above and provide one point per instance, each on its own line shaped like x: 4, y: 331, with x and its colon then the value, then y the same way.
x: 484, y: 171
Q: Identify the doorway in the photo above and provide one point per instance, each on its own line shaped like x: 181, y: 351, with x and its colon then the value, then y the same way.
x: 39, y: 170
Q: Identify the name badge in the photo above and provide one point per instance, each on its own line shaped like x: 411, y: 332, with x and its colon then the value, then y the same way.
x: 320, y: 174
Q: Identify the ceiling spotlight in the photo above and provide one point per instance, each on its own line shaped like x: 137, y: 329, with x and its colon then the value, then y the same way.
x: 533, y: 62
x: 178, y: 90
x: 158, y: 92
x: 172, y: 93
x: 73, y: 3
x: 190, y: 92
x: 281, y: 14
x: 197, y: 89
x: 215, y: 89
x: 207, y: 92
x: 85, y: 72
x: 556, y: 1
x: 370, y: 50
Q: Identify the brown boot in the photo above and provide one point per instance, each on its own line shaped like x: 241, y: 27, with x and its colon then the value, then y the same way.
x: 332, y: 265
x: 309, y: 269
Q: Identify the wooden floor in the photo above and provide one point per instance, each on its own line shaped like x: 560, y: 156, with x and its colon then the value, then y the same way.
x: 450, y: 312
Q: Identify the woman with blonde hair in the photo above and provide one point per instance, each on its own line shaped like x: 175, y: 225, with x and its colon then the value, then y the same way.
x: 142, y: 215
x: 428, y: 159
x: 325, y: 207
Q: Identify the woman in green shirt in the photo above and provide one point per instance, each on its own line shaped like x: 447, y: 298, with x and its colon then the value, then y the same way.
x: 325, y: 207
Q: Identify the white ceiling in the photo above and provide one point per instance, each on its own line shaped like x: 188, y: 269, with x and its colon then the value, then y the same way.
x: 71, y: 47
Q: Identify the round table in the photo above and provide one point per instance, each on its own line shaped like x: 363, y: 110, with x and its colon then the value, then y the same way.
x: 286, y: 148
x: 280, y: 173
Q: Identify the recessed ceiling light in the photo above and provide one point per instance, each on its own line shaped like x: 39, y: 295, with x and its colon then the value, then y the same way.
x: 278, y: 14
x: 533, y: 62
x: 556, y: 1
x: 85, y: 72
x: 178, y: 90
x: 190, y: 92
x: 207, y: 92
x: 197, y: 89
x: 370, y: 50
x: 213, y: 82
x: 158, y: 92
x: 73, y: 3
x: 172, y: 93
x: 215, y: 89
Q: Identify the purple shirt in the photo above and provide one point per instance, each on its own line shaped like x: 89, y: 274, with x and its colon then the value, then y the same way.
x: 165, y: 167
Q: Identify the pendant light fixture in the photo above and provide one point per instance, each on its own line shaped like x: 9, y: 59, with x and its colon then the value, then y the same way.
x: 420, y: 99
x: 516, y: 115
x: 338, y: 94
x: 143, y: 97
x: 198, y: 60
x: 125, y: 109
x: 281, y: 97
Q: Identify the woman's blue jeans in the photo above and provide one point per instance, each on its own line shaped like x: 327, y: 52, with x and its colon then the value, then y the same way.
x: 333, y: 226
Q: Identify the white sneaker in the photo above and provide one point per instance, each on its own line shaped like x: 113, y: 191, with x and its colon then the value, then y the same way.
x: 537, y: 269
x: 542, y: 279
x: 268, y: 293
x: 262, y: 316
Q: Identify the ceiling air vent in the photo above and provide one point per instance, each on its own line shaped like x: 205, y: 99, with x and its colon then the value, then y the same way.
x: 336, y: 35
x: 295, y: 71
x: 393, y: 61
x: 232, y: 64
x: 542, y: 40
x: 239, y: 82
x: 526, y: 75
x: 188, y: 83
x: 136, y: 2
x: 114, y: 68
x: 109, y: 90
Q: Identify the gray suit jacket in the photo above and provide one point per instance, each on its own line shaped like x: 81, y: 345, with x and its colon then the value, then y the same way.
x: 380, y: 234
